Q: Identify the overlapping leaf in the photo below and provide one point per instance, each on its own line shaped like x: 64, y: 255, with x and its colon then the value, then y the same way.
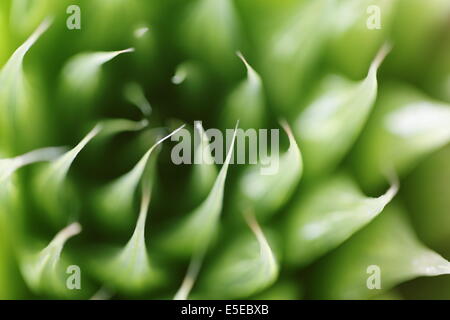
x: 204, y: 172
x: 406, y: 126
x: 130, y: 269
x: 356, y: 38
x: 44, y: 270
x: 293, y: 51
x: 81, y: 74
x: 210, y: 33
x: 20, y: 121
x: 245, y: 267
x: 246, y: 102
x: 328, y: 126
x: 114, y: 203
x: 133, y: 259
x: 327, y: 216
x: 416, y: 41
x: 382, y: 255
x: 198, y: 227
x: 267, y: 187
x: 51, y: 188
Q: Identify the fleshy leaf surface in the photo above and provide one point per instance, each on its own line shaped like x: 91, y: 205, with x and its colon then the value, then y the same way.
x: 81, y: 71
x: 42, y: 270
x: 9, y: 166
x: 358, y: 35
x: 210, y: 33
x: 134, y: 93
x: 405, y: 127
x: 267, y: 188
x: 292, y: 51
x: 198, y: 227
x: 134, y: 260
x: 329, y: 126
x: 51, y: 185
x: 204, y: 172
x: 246, y: 102
x: 247, y: 266
x: 114, y: 202
x: 384, y: 254
x: 20, y: 112
x: 327, y: 216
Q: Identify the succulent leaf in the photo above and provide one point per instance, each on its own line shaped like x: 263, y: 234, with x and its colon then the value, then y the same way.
x: 268, y: 188
x: 406, y: 127
x: 329, y: 215
x: 328, y: 127
x: 114, y: 202
x: 198, y: 227
x: 244, y: 268
x: 246, y: 102
x: 51, y: 186
x: 390, y: 245
x: 133, y: 259
x: 19, y: 120
x: 205, y: 171
x: 42, y: 270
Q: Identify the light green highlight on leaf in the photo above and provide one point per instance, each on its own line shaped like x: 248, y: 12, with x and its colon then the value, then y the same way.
x: 51, y: 186
x: 81, y: 74
x: 140, y: 32
x: 267, y: 193
x: 210, y: 33
x: 388, y: 243
x: 244, y: 268
x: 57, y: 170
x: 191, y: 275
x: 330, y: 124
x: 134, y: 93
x: 14, y: 65
x: 353, y: 44
x: 42, y: 270
x: 114, y: 202
x: 133, y: 260
x: 204, y: 171
x: 9, y: 166
x: 114, y: 126
x: 25, y: 15
x: 246, y: 102
x: 102, y: 294
x: 292, y: 51
x: 327, y: 216
x: 181, y: 73
x: 18, y: 118
x: 406, y: 127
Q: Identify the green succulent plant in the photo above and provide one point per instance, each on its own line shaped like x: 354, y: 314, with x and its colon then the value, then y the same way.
x: 93, y: 91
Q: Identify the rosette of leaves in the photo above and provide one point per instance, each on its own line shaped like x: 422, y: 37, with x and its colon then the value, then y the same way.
x: 92, y: 206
